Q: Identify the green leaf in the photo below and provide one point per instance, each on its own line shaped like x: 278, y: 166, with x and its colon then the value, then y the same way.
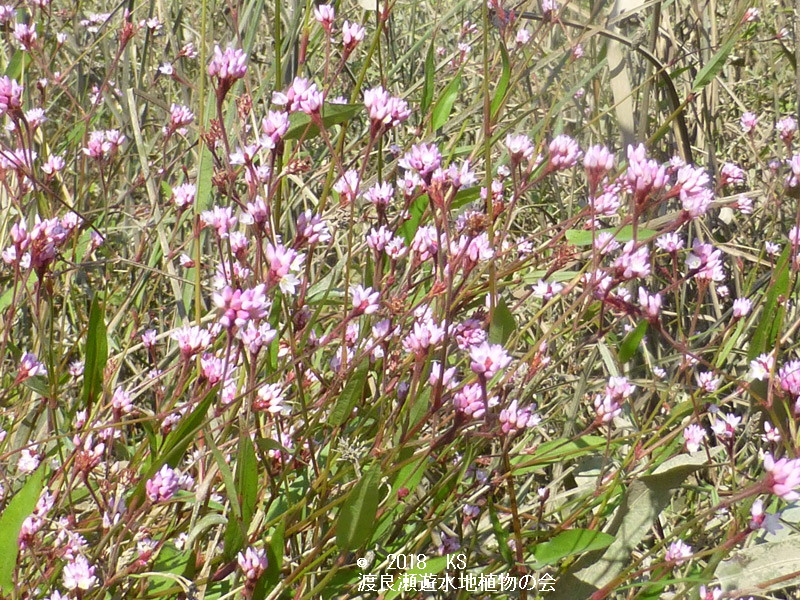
x: 568, y: 543
x: 502, y: 85
x: 772, y: 315
x: 174, y: 561
x: 643, y: 501
x: 357, y: 517
x: 556, y: 451
x: 714, y: 66
x: 417, y: 210
x: 353, y: 392
x: 38, y: 384
x: 208, y: 521
x: 246, y: 486
x: 500, y: 534
x: 502, y: 325
x: 19, y: 507
x: 730, y: 344
x: 441, y: 112
x: 274, y: 557
x: 332, y: 114
x: 750, y: 568
x: 581, y: 237
x: 175, y: 444
x: 205, y: 175
x: 18, y: 61
x: 247, y: 477
x: 427, y: 88
x: 631, y: 342
x: 96, y: 353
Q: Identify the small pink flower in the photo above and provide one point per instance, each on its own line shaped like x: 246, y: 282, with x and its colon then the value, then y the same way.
x: 598, y: 162
x: 311, y: 229
x: 53, y: 165
x: 275, y: 125
x: 514, y: 418
x: 606, y: 408
x: 771, y: 434
x: 606, y: 204
x: 748, y: 122
x: 10, y: 96
x: 678, y: 553
x: 271, y: 399
x: 324, y: 14
x: 705, y: 261
x: 191, y: 340
x: 731, y: 174
x: 25, y: 35
x: 347, y: 186
x: 183, y: 195
x: 227, y: 65
x: 79, y: 574
x: 760, y: 519
x: 644, y: 175
x: 284, y: 264
x: 423, y: 335
x: 783, y: 477
x: 519, y: 148
x: 385, y: 111
x: 122, y: 401
x: 789, y: 375
x: 761, y: 367
x: 741, y: 307
x: 30, y: 366
x: 221, y: 219
x: 787, y: 127
x: 422, y: 158
x: 252, y: 562
x: 163, y: 485
x: 365, y: 301
x: 707, y: 382
x: 425, y: 242
x: 650, y: 303
x: 488, y: 359
x: 179, y: 117
x: 633, y: 263
x: 693, y: 436
x: 449, y: 380
x: 724, y: 425
x: 352, y: 36
x: 239, y: 307
x: 564, y: 152
x: 469, y: 401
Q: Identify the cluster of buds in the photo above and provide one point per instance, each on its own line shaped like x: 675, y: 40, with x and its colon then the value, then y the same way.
x: 226, y: 67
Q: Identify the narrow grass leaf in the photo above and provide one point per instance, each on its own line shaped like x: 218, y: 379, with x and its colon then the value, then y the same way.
x: 96, y: 353
x: 570, y: 543
x: 357, y: 518
x: 765, y: 334
x: 712, y: 68
x: 631, y: 342
x: 351, y: 394
x: 581, y: 237
x: 332, y: 114
x: 502, y: 325
x: 427, y: 88
x: 444, y: 106
x: 502, y: 85
x: 19, y: 507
